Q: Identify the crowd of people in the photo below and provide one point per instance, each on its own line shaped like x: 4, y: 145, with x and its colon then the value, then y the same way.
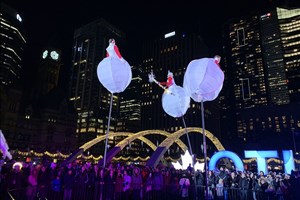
x: 119, y: 181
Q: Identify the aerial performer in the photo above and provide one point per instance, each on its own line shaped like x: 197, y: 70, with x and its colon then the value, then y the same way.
x: 170, y: 80
x: 114, y: 73
x: 112, y: 50
x: 175, y: 101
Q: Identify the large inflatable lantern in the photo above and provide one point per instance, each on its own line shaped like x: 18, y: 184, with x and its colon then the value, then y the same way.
x: 175, y: 100
x: 114, y: 72
x: 203, y: 79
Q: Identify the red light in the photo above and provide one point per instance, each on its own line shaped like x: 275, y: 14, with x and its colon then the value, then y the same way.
x: 269, y: 14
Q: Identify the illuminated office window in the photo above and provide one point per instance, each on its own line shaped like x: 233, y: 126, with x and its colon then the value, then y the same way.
x: 241, y: 37
x: 245, y: 88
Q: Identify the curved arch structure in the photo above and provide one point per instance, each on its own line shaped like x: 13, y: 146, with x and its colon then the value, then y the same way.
x: 164, y: 146
x: 130, y: 137
x: 139, y: 135
x: 158, y: 151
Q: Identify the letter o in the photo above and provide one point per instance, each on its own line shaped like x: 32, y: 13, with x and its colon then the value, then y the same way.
x: 226, y: 154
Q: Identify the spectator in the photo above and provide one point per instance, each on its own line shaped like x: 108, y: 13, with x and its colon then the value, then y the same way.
x: 32, y: 184
x: 184, y: 184
x: 44, y: 181
x: 244, y: 186
x: 127, y: 184
x: 149, y: 183
x: 16, y: 182
x: 56, y: 188
x: 157, y: 183
x: 136, y: 183
x: 220, y: 189
x: 119, y: 185
x: 109, y: 185
x: 69, y: 181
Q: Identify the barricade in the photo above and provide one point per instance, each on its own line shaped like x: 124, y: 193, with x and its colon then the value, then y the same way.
x: 101, y: 191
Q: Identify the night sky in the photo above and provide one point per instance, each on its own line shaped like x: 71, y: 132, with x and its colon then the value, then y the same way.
x: 52, y: 23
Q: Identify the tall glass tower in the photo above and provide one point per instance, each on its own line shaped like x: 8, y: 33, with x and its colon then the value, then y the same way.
x: 12, y: 46
x: 263, y: 63
x: 89, y: 97
x: 289, y: 25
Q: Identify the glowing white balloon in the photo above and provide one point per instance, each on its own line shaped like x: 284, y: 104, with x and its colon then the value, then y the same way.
x: 203, y: 79
x: 114, y: 74
x: 176, y: 101
x: 114, y: 71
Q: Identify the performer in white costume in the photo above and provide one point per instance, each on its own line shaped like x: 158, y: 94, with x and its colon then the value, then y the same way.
x: 113, y: 51
x: 114, y: 72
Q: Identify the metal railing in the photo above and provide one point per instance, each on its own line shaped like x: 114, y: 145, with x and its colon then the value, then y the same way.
x: 100, y: 191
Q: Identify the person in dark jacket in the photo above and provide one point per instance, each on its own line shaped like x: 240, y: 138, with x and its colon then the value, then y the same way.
x: 68, y: 182
x: 244, y: 186
x: 15, y: 182
x: 109, y: 185
x: 44, y: 181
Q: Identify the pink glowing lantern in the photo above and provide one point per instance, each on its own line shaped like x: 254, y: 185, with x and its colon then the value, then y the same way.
x: 203, y: 79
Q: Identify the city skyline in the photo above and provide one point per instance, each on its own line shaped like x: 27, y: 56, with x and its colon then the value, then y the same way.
x: 256, y: 97
x: 101, y: 48
x: 53, y: 24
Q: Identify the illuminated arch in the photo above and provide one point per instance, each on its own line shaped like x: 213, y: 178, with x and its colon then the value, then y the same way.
x: 130, y: 137
x: 158, y: 151
x: 165, y: 145
x: 139, y: 135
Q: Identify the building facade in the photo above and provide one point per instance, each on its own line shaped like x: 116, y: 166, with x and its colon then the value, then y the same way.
x: 13, y: 41
x: 89, y: 97
x: 262, y: 71
x: 130, y: 104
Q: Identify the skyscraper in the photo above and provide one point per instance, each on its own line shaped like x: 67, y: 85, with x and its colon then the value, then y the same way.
x: 273, y: 59
x: 289, y: 23
x: 89, y: 97
x: 262, y: 61
x: 12, y: 46
x: 130, y: 104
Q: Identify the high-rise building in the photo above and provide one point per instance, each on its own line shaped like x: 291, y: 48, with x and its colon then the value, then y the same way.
x: 289, y: 25
x: 130, y: 104
x: 273, y: 59
x: 262, y: 71
x: 12, y: 46
x: 90, y: 98
x: 173, y: 52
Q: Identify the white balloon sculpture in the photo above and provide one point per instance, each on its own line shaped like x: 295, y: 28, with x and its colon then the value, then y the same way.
x: 175, y: 100
x: 114, y: 71
x: 203, y: 79
x: 115, y: 75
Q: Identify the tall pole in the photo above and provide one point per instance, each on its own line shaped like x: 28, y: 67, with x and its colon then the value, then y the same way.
x: 107, y: 130
x: 193, y: 163
x: 204, y: 150
x: 293, y: 137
